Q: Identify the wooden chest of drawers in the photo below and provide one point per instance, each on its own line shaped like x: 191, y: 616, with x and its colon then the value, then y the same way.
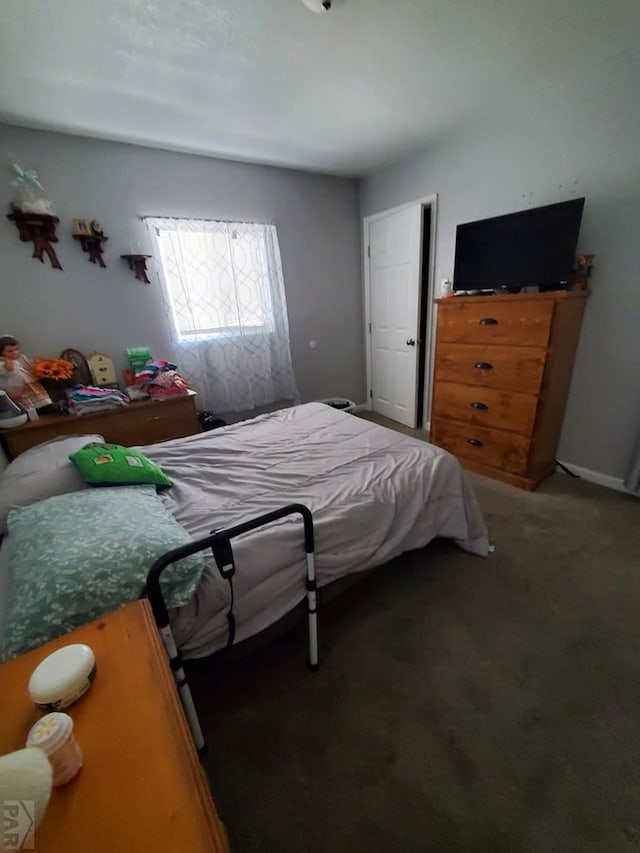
x: 502, y: 372
x: 144, y: 422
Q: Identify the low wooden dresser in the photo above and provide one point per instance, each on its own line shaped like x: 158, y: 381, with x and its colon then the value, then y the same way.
x: 503, y: 367
x: 141, y: 422
x: 142, y: 787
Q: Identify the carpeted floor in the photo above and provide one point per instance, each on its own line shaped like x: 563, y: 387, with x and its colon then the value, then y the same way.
x: 462, y: 704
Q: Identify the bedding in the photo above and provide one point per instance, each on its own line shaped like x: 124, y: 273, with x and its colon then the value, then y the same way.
x: 75, y: 557
x: 41, y: 472
x: 373, y: 492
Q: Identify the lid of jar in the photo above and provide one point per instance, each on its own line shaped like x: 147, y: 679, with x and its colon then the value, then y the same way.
x: 50, y: 732
x: 61, y: 674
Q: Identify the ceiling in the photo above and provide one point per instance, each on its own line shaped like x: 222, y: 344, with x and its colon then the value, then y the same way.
x: 268, y: 81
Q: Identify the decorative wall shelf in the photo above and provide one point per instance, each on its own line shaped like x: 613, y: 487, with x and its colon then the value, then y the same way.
x: 92, y: 245
x: 138, y: 264
x: 39, y: 228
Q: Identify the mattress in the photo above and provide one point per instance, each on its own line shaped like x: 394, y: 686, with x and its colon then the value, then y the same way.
x: 373, y: 492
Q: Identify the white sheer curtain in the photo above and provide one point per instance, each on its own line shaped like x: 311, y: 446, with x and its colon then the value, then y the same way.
x: 224, y: 292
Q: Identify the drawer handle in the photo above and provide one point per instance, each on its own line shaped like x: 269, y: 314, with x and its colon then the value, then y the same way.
x: 483, y: 365
x: 479, y: 406
x: 475, y: 442
x: 489, y: 321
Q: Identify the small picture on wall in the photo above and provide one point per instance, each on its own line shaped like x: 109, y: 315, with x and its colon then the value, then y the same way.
x: 81, y: 228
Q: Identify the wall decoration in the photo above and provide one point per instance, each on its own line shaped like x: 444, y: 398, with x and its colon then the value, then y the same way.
x: 33, y: 214
x: 91, y: 237
x: 27, y: 193
x: 81, y: 373
x: 81, y: 228
x: 102, y: 369
x: 39, y: 228
x: 138, y: 264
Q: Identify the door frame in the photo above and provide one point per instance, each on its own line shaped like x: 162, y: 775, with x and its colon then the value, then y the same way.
x: 426, y: 201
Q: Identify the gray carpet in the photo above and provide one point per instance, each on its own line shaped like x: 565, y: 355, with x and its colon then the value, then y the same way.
x: 462, y: 704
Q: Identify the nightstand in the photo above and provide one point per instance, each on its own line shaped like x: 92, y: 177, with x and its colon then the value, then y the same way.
x: 141, y: 787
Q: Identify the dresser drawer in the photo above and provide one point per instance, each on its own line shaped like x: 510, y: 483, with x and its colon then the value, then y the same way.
x: 159, y: 422
x: 156, y: 428
x: 485, y: 406
x: 525, y: 323
x: 145, y: 429
x: 508, y: 368
x: 493, y: 447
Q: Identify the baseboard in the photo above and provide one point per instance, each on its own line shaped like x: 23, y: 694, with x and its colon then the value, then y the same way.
x: 601, y: 479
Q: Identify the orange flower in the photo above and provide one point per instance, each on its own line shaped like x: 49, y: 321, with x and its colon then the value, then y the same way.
x: 52, y: 368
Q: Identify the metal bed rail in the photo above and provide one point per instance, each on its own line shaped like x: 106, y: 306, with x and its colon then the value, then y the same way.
x: 219, y: 541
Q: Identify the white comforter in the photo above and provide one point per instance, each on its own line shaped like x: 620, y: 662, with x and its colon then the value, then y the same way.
x: 373, y: 492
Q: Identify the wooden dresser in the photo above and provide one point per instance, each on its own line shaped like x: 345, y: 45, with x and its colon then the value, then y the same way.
x: 142, y: 787
x: 502, y: 371
x: 142, y: 422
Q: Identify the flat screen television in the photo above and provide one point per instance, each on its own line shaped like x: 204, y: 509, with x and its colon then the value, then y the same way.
x: 530, y: 248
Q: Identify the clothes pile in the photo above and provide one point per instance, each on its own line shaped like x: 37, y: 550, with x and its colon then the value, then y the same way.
x: 161, y: 380
x: 87, y: 399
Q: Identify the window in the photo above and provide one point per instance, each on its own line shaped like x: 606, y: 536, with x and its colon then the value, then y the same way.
x: 224, y: 294
x: 221, y: 278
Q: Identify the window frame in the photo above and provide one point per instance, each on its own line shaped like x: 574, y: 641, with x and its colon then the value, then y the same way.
x: 186, y: 336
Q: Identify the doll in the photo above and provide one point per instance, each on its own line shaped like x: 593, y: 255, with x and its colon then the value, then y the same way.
x: 14, y: 367
x: 16, y: 378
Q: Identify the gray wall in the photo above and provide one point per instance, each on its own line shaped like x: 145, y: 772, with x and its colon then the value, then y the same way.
x: 580, y: 141
x: 107, y: 309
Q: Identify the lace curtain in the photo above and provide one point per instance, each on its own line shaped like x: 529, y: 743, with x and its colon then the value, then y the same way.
x: 224, y: 293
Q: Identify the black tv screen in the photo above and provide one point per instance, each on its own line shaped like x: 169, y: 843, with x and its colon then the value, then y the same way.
x: 534, y: 247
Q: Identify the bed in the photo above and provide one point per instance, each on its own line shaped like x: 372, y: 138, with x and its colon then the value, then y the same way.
x: 373, y: 492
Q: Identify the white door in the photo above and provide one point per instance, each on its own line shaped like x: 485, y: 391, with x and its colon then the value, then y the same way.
x: 394, y: 276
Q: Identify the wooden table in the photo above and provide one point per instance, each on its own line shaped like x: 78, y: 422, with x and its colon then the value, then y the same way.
x: 142, y: 787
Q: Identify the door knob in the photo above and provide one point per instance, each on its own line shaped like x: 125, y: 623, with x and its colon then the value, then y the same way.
x: 411, y: 342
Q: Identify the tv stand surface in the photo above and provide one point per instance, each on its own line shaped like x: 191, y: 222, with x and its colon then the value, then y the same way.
x: 510, y: 291
x: 511, y: 297
x: 502, y: 374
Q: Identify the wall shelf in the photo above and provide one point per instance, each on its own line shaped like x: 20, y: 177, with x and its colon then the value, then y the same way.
x: 93, y: 245
x: 138, y: 264
x: 39, y: 228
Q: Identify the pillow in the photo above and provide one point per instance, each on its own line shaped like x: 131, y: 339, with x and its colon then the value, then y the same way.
x: 114, y: 465
x: 41, y: 472
x: 76, y: 557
